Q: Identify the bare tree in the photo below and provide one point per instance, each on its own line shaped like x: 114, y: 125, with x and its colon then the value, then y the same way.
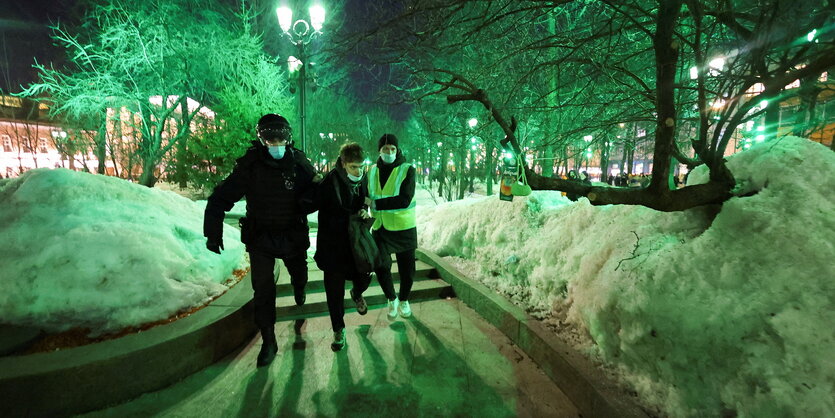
x: 591, y: 66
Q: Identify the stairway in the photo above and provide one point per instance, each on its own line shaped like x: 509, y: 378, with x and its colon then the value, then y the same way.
x: 427, y: 286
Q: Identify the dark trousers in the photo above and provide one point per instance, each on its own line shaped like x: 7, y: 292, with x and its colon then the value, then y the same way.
x: 335, y: 292
x: 264, y: 279
x: 406, y: 267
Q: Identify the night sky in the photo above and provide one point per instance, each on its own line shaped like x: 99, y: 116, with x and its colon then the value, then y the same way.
x: 24, y: 36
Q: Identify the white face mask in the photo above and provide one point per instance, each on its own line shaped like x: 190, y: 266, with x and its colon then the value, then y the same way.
x: 354, y: 178
x: 276, y: 151
x: 388, y: 158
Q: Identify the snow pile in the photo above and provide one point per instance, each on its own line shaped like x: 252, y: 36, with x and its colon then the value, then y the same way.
x: 703, y: 315
x: 83, y: 250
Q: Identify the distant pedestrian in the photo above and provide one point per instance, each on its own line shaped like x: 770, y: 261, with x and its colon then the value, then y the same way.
x: 391, y: 185
x: 342, y: 198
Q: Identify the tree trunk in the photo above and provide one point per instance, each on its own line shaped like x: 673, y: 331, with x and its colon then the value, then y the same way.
x: 772, y: 122
x: 147, y: 178
x: 183, y: 131
x: 488, y: 168
x: 101, y: 147
x: 461, y: 174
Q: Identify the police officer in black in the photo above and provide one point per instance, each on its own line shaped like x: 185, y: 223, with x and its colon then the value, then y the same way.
x: 278, y: 183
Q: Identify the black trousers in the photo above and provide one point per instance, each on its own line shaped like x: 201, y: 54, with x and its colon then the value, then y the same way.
x: 335, y: 292
x: 406, y: 267
x: 264, y: 280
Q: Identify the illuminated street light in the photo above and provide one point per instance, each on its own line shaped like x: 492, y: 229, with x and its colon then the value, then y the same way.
x: 300, y: 34
x: 473, y: 122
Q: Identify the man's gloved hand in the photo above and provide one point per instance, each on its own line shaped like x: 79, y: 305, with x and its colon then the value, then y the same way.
x: 214, y: 245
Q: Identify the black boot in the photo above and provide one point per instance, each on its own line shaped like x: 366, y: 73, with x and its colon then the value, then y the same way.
x: 269, y: 347
x: 299, y: 295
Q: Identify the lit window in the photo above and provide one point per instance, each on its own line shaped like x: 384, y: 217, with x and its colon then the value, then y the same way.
x: 27, y: 147
x: 642, y: 132
x: 757, y: 88
x: 794, y: 84
x: 11, y: 101
x: 42, y: 146
x: 823, y: 77
x: 7, y: 143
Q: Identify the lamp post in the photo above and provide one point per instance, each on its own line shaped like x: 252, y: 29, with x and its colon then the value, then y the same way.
x: 300, y: 33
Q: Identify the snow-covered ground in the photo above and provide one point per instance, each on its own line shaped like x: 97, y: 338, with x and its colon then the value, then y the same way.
x: 89, y: 251
x: 701, y: 314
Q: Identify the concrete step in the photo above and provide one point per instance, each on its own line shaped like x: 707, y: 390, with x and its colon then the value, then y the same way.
x: 315, y: 278
x: 316, y: 305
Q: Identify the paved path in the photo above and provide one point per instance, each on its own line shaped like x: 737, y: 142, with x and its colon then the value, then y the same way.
x: 445, y: 361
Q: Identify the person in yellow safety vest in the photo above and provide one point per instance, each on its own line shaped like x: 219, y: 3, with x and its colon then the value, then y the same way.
x: 391, y: 187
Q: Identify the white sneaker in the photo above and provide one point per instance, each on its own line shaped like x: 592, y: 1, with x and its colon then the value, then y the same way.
x: 393, y: 304
x: 405, y: 309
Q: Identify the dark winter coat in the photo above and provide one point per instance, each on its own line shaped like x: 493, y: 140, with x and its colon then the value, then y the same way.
x: 338, y: 198
x: 279, y: 195
x: 391, y: 242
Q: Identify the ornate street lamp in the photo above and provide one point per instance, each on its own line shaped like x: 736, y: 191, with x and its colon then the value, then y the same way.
x: 300, y: 33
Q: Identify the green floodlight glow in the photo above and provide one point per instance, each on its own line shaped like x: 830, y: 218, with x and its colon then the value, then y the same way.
x: 811, y: 35
x: 440, y: 144
x: 317, y: 17
x: 285, y: 17
x: 764, y: 104
x: 473, y: 122
x: 587, y: 138
x: 367, y: 161
x: 473, y: 140
x: 760, y: 128
x: 759, y: 138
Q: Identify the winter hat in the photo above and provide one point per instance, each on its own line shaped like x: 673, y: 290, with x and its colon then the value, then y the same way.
x: 387, y: 139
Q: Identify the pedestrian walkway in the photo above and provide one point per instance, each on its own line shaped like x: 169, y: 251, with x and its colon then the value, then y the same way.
x: 444, y: 361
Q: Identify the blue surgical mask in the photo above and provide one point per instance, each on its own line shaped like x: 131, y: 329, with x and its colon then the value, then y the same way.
x: 276, y: 151
x: 388, y: 158
x: 354, y: 178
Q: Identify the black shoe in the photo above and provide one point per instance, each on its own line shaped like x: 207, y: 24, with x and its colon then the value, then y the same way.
x: 362, y: 307
x: 299, y: 295
x: 338, y: 340
x: 269, y: 348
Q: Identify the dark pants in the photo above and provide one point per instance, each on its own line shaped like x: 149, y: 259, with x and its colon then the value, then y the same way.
x: 264, y: 279
x: 406, y: 267
x: 335, y: 292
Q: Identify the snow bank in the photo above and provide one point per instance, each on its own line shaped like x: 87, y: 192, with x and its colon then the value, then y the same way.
x: 83, y: 250
x: 703, y: 315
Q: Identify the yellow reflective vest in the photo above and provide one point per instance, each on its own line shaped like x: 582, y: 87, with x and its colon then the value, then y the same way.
x: 394, y: 219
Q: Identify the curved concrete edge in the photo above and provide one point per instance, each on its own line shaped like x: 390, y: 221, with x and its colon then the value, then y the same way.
x: 594, y: 394
x: 96, y: 376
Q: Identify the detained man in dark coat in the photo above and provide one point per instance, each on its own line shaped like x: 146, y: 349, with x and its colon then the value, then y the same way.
x: 278, y: 183
x: 391, y: 186
x: 341, y: 195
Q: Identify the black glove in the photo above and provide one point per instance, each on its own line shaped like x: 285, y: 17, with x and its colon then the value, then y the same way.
x: 214, y: 245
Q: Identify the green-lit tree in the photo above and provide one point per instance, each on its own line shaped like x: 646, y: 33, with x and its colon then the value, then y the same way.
x: 165, y: 62
x: 592, y: 65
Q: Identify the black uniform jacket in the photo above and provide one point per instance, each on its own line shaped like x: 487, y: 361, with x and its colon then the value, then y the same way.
x: 279, y: 195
